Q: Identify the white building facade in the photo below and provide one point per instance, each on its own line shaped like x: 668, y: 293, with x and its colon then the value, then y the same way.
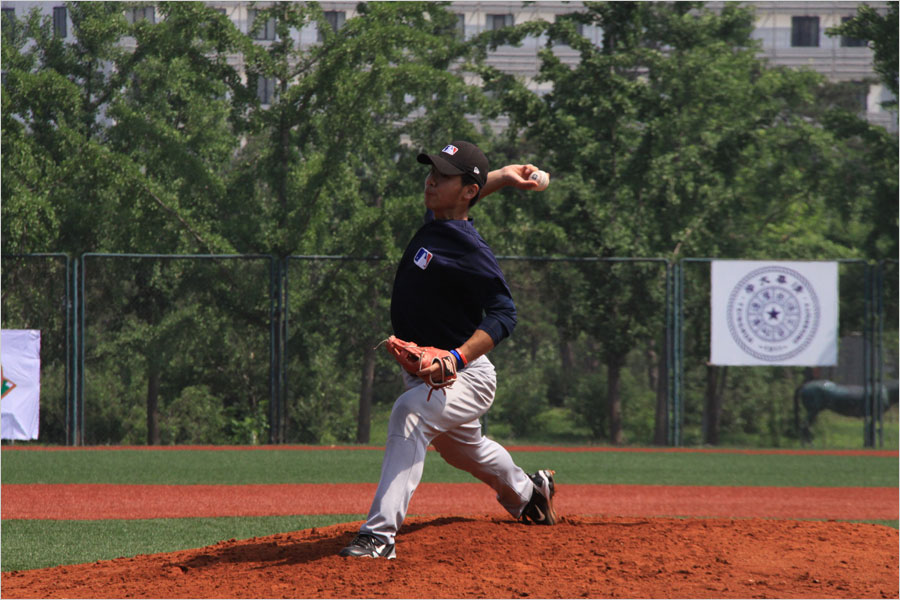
x: 791, y: 34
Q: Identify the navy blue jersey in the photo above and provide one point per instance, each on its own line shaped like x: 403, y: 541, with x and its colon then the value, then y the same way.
x: 448, y: 284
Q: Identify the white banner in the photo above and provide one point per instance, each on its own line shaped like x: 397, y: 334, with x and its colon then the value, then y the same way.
x: 774, y: 313
x: 20, y: 356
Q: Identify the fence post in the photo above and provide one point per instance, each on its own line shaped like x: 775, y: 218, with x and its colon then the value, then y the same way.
x: 284, y: 268
x: 79, y: 398
x: 874, y: 365
x: 679, y: 356
x: 71, y: 348
x: 274, y: 347
x: 667, y: 348
x: 670, y: 351
x: 880, y: 392
x: 677, y: 409
x: 867, y: 359
x: 281, y: 269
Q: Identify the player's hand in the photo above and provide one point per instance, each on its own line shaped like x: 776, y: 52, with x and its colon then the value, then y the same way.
x: 432, y: 369
x: 518, y: 176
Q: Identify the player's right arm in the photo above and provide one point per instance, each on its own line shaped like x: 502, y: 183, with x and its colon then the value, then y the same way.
x: 510, y: 175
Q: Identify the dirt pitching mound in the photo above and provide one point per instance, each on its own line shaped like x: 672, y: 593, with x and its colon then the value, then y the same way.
x: 466, y: 557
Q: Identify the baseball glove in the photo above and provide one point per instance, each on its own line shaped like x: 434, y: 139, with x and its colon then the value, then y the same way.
x: 414, y: 358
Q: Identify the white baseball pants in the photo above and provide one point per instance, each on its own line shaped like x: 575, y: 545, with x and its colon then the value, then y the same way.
x: 449, y: 420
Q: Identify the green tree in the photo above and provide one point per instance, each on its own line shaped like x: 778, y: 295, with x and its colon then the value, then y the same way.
x: 880, y: 30
x: 174, y: 134
x: 631, y: 149
x: 49, y: 110
x: 326, y: 170
x: 672, y: 138
x: 117, y: 140
x: 109, y: 133
x: 330, y: 143
x: 871, y: 166
x: 174, y: 124
x: 140, y: 137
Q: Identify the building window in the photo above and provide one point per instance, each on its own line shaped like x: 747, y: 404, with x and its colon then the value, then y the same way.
x: 265, y: 89
x: 335, y: 18
x: 851, y: 42
x: 139, y: 13
x: 804, y: 32
x: 460, y: 27
x: 498, y: 21
x: 60, y: 25
x: 265, y: 31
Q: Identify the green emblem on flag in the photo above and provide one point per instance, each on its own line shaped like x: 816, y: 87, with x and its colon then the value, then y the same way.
x: 8, y: 385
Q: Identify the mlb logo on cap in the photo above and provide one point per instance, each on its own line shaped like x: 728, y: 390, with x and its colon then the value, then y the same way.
x: 450, y: 149
x: 423, y: 257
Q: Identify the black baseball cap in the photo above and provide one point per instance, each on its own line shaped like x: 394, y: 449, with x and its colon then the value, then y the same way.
x: 459, y: 158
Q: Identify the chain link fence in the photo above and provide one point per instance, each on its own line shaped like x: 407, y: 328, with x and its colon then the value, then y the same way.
x: 188, y: 349
x: 175, y: 349
x: 37, y: 293
x: 720, y: 405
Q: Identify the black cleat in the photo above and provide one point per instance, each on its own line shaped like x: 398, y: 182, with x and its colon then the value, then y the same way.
x: 368, y: 545
x: 539, y: 509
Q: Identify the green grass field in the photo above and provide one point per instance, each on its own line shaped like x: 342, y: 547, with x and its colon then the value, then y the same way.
x: 559, y: 428
x: 237, y: 467
x: 28, y: 544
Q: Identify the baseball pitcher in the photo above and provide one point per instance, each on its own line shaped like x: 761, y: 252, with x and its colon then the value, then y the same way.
x: 450, y: 306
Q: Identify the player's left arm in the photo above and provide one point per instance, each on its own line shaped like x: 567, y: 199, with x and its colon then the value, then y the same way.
x: 510, y: 175
x: 478, y: 345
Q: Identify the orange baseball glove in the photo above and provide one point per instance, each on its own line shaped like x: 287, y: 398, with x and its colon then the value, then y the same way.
x: 415, y: 359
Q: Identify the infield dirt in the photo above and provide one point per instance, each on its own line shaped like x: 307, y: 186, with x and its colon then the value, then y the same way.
x: 477, y: 557
x: 614, y: 541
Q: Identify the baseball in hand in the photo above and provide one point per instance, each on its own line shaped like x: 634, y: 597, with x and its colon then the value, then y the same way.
x: 542, y: 178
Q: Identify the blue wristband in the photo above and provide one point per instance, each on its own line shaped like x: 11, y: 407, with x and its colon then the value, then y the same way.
x: 459, y: 361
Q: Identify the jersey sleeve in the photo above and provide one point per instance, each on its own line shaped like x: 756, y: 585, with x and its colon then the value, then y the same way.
x: 499, y: 317
x: 494, y: 296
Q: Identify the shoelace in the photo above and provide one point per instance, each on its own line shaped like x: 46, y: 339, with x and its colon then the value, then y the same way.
x: 367, y: 541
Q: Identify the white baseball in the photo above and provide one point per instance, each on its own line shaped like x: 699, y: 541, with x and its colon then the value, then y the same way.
x: 543, y: 179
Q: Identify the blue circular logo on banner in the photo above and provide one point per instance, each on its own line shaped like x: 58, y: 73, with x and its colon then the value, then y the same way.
x: 773, y: 313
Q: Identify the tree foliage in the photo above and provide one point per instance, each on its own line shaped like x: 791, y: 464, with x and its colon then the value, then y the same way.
x: 880, y: 31
x: 669, y: 138
x: 672, y: 138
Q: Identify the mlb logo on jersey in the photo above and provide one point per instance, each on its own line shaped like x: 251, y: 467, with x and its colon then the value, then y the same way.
x: 450, y: 149
x: 423, y: 257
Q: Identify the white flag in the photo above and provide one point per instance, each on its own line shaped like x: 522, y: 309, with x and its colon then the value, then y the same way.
x: 774, y: 313
x: 20, y: 356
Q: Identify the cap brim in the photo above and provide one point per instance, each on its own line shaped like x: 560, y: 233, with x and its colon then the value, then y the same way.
x: 440, y: 164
